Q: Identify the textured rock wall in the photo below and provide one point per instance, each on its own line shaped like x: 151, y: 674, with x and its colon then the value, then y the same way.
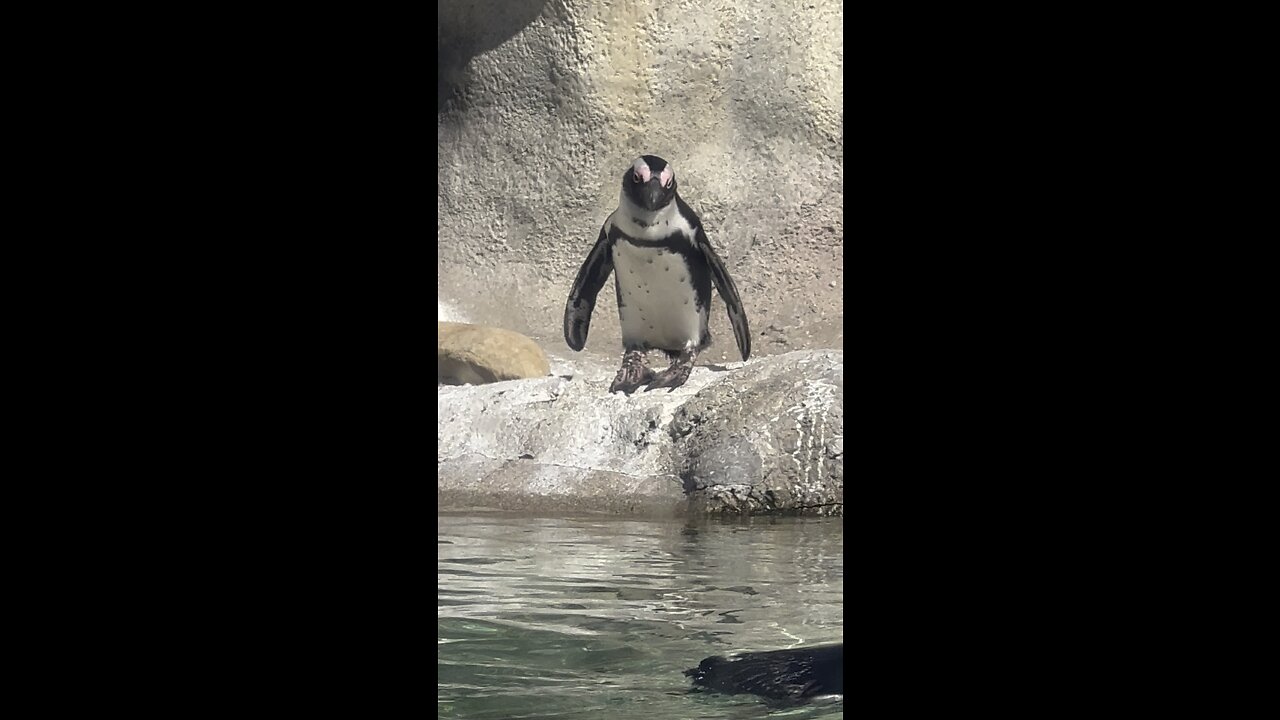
x: 541, y: 105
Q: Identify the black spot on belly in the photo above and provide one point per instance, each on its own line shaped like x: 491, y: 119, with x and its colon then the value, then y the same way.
x: 682, y: 278
x: 650, y: 261
x: 666, y: 269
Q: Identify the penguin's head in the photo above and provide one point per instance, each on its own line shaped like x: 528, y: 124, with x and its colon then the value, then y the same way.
x: 650, y: 182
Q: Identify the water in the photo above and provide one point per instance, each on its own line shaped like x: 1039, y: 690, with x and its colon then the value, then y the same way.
x: 597, y: 617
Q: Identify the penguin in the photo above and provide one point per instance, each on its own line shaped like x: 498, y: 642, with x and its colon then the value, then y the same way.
x: 664, y: 267
x: 796, y: 674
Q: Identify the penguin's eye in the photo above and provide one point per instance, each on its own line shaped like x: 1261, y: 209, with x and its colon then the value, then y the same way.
x: 669, y: 183
x: 635, y: 177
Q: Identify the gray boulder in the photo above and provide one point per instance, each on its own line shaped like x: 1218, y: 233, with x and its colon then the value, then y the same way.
x: 769, y: 440
x: 759, y: 437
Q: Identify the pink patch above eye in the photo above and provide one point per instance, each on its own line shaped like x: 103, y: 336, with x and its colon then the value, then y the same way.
x: 666, y: 176
x: 642, y: 170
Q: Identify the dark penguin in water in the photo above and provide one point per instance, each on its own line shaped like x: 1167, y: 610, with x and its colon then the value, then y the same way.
x: 664, y: 267
x: 795, y: 674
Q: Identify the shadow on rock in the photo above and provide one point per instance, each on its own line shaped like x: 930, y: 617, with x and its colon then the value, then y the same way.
x: 466, y: 28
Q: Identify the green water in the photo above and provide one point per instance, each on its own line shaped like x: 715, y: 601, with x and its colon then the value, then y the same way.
x: 596, y: 618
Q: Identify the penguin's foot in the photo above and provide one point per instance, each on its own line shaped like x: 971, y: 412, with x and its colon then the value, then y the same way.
x: 676, y: 375
x: 632, y: 374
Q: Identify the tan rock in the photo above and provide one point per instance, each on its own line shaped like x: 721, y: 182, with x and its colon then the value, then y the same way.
x: 478, y: 354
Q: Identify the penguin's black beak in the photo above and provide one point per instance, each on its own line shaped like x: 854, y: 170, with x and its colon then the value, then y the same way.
x: 652, y: 194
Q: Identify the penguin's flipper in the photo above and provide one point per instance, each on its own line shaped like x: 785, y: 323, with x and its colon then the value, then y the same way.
x: 728, y: 292
x: 582, y: 298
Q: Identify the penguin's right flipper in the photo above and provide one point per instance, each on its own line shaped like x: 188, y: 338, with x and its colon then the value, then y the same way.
x: 582, y: 298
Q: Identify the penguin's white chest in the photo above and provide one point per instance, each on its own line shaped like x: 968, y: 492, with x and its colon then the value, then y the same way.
x: 658, y: 306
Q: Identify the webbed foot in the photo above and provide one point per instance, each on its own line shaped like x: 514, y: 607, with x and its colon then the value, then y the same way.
x: 632, y: 374
x: 676, y: 375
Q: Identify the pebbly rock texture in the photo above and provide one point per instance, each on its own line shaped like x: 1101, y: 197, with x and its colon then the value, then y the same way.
x: 541, y: 105
x: 477, y: 354
x: 759, y: 437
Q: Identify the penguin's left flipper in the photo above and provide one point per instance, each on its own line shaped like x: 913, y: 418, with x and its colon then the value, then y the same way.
x: 728, y: 292
x: 586, y: 286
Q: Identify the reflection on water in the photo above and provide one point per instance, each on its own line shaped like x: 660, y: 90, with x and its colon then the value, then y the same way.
x: 578, y: 618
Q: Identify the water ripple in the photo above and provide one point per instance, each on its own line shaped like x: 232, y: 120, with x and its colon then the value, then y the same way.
x: 563, y: 618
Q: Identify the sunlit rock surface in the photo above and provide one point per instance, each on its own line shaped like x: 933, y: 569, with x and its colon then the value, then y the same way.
x: 765, y: 436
